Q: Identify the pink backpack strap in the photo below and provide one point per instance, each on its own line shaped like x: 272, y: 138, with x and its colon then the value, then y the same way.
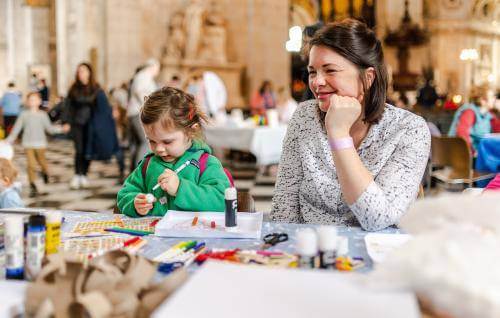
x: 203, y: 167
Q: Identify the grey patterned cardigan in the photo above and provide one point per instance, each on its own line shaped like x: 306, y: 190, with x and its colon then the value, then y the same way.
x: 395, y: 151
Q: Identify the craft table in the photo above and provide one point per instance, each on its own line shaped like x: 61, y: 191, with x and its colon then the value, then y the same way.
x: 263, y: 142
x: 157, y: 245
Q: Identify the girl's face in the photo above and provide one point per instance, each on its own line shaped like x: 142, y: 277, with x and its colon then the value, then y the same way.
x: 330, y: 73
x: 169, y: 144
x: 83, y: 74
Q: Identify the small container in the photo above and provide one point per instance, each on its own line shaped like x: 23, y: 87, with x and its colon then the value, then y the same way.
x: 342, y: 245
x: 327, y: 246
x: 14, y: 247
x: 230, y: 198
x: 307, y: 247
x: 35, y: 245
x: 53, y: 235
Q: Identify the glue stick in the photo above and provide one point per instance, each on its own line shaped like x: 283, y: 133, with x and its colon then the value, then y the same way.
x: 230, y: 197
x: 35, y: 245
x: 307, y: 247
x: 14, y: 247
x: 53, y: 238
x: 327, y: 236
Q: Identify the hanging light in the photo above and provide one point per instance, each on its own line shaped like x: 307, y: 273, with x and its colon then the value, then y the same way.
x: 295, y: 42
x: 469, y: 55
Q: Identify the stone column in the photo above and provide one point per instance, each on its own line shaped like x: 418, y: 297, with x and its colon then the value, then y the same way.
x: 60, y: 15
x: 9, y: 34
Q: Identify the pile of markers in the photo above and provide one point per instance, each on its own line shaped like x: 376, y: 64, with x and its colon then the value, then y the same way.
x: 266, y: 258
x: 183, y: 252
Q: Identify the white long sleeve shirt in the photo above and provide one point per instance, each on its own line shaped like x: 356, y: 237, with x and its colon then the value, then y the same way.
x: 395, y: 151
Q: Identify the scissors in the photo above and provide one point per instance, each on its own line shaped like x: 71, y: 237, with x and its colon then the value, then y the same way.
x: 273, y: 239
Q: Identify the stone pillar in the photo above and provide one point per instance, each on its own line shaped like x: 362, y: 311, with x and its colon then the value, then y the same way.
x: 60, y: 15
x: 10, y: 44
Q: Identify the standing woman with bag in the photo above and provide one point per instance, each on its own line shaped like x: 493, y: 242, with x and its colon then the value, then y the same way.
x: 92, y: 125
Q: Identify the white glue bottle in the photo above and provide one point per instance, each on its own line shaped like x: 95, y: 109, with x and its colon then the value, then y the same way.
x: 35, y: 245
x: 327, y: 236
x: 231, y: 200
x: 14, y: 247
x: 307, y: 247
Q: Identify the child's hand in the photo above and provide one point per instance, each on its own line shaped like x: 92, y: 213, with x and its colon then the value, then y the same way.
x: 141, y: 204
x: 66, y: 128
x: 169, y: 182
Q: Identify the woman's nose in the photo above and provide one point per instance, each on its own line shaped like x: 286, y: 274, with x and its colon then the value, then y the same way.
x: 319, y: 80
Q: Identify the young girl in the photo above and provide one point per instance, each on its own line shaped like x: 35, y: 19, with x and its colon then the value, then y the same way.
x: 34, y: 123
x: 172, y: 124
x: 9, y: 190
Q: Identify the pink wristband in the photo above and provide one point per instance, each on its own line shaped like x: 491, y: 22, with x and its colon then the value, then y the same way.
x: 341, y: 143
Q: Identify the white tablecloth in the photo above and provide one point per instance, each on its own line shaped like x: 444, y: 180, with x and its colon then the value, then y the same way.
x: 265, y: 143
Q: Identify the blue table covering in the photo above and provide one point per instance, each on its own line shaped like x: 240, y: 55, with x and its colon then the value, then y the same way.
x: 157, y: 245
x: 488, y: 155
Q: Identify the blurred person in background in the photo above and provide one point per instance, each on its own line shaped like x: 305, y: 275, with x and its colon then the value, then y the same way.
x: 34, y: 123
x: 43, y: 89
x: 11, y: 106
x: 92, y: 126
x: 142, y: 85
x: 263, y: 99
x: 473, y: 120
x: 286, y: 105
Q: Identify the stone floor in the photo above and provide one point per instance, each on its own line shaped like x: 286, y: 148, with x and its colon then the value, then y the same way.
x: 103, y: 177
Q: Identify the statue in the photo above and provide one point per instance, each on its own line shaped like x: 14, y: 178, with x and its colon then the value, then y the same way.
x: 213, y: 44
x: 193, y: 21
x: 177, y: 39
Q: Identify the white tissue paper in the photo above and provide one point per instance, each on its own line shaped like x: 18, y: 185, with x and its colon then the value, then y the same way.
x: 453, y: 259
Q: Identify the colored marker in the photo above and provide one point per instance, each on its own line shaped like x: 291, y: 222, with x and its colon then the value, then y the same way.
x: 128, y: 231
x: 184, y: 165
x: 195, y: 221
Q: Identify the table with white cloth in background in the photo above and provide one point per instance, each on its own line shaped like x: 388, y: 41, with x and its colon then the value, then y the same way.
x: 264, y: 142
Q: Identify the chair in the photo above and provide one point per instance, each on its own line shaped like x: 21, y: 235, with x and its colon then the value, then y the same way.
x: 246, y: 202
x: 453, y: 155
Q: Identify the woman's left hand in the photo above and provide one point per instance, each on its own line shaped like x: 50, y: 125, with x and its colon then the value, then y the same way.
x: 341, y: 115
x: 169, y: 182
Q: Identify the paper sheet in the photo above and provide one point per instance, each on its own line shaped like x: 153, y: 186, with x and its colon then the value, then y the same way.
x: 230, y: 290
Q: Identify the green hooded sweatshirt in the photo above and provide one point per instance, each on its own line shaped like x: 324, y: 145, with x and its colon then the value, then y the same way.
x: 195, y: 193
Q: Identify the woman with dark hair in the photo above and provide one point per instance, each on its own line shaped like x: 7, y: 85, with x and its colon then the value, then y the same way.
x: 92, y: 125
x: 349, y: 158
x: 263, y: 99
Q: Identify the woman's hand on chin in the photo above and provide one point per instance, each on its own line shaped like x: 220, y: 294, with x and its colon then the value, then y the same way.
x: 341, y: 115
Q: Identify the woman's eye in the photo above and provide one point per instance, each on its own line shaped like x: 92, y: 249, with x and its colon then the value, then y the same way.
x: 311, y: 73
x: 331, y: 71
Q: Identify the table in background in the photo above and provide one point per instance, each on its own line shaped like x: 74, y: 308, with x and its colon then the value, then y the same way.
x: 263, y: 142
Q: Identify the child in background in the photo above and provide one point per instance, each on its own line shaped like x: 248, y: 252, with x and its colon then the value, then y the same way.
x: 9, y: 190
x: 34, y: 123
x: 173, y: 125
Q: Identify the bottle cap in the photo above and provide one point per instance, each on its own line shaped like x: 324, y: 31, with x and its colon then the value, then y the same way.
x: 36, y: 220
x: 230, y: 194
x: 307, y: 242
x: 14, y: 225
x: 53, y: 217
x: 327, y: 236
